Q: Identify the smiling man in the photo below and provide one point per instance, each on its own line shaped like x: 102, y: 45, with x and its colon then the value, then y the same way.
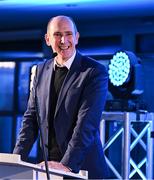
x: 62, y: 35
x: 71, y: 90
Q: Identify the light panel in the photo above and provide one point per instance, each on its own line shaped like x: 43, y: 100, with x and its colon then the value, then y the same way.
x: 119, y: 68
x: 102, y: 2
x: 125, y: 76
x: 45, y: 2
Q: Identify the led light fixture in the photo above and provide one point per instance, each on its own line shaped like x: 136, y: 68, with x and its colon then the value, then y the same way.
x: 119, y: 68
x: 125, y: 75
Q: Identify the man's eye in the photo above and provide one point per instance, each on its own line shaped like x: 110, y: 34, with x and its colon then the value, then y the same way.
x: 57, y: 34
x: 69, y: 34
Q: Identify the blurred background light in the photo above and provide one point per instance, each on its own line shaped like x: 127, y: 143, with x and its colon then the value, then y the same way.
x: 71, y: 1
x: 47, y: 2
x: 33, y: 71
x: 7, y: 65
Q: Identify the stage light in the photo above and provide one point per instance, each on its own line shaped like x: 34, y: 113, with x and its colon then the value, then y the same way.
x: 119, y: 69
x: 125, y: 75
x: 125, y: 80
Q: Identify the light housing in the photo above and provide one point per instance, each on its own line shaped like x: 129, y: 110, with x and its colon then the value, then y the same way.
x: 119, y: 68
x: 125, y: 75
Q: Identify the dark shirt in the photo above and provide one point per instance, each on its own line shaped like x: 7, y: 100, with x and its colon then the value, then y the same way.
x: 56, y: 83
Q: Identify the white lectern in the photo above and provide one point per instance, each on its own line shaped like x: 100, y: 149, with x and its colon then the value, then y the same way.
x: 11, y: 167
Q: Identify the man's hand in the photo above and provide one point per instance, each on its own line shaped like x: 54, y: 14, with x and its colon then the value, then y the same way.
x: 55, y: 165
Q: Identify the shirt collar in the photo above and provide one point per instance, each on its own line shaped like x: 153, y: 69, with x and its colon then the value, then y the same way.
x: 67, y: 64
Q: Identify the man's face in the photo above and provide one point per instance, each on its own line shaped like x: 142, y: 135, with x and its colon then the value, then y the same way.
x: 62, y: 38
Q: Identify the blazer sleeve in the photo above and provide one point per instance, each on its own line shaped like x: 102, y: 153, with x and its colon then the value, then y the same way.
x: 88, y: 118
x: 29, y: 130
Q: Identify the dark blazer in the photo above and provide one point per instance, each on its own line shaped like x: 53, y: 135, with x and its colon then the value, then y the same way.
x: 77, y: 115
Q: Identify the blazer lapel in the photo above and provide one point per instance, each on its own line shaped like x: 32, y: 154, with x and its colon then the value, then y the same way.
x: 72, y: 74
x: 47, y: 84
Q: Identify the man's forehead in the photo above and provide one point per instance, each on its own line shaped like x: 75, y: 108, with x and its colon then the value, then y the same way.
x: 61, y: 22
x: 61, y: 25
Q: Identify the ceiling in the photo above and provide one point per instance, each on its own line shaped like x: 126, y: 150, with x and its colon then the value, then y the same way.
x: 34, y: 14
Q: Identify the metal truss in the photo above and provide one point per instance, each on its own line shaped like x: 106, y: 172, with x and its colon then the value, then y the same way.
x: 131, y: 139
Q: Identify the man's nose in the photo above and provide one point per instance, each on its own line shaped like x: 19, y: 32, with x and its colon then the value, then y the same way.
x: 62, y: 39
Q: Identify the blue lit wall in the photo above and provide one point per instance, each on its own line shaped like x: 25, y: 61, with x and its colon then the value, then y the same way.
x: 13, y: 102
x: 6, y: 124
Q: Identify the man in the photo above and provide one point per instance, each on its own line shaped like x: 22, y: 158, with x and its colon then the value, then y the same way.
x: 71, y: 90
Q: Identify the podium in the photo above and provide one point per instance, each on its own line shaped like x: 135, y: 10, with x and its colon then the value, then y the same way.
x: 12, y: 167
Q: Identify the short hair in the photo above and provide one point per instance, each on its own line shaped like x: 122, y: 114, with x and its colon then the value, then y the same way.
x: 66, y: 17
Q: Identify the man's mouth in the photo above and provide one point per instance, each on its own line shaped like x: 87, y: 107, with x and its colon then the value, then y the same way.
x: 64, y: 47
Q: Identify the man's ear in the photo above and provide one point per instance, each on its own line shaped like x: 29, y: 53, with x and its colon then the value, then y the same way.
x: 47, y: 39
x: 77, y: 37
